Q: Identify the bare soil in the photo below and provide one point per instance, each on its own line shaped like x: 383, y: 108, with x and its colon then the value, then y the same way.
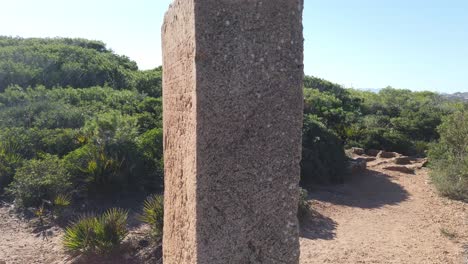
x: 19, y: 244
x: 379, y: 216
x: 384, y: 216
x: 25, y: 241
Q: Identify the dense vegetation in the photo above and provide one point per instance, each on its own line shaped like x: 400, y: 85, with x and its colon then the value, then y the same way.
x: 392, y: 120
x: 75, y: 117
x: 97, y: 140
x: 449, y: 157
x: 101, y: 134
x: 63, y: 62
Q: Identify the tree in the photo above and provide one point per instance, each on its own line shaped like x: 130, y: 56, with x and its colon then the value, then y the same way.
x: 449, y: 156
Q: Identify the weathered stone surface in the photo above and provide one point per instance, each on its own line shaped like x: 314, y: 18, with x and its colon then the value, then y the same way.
x: 372, y: 152
x: 357, y: 165
x: 179, y: 118
x: 357, y: 151
x: 403, y: 160
x: 232, y: 94
x: 403, y: 169
x: 387, y: 155
x: 369, y: 159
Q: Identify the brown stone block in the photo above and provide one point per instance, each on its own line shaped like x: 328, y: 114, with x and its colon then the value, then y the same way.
x: 232, y: 96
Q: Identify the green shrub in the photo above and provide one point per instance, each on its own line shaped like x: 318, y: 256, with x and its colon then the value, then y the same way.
x: 60, y: 203
x: 303, y: 203
x: 97, y: 234
x: 62, y: 200
x: 81, y: 236
x: 9, y: 162
x: 149, y: 82
x: 39, y: 179
x: 449, y: 157
x: 153, y: 214
x: 58, y: 141
x: 94, y: 169
x: 383, y: 139
x: 323, y: 157
x: 421, y: 148
x: 150, y: 149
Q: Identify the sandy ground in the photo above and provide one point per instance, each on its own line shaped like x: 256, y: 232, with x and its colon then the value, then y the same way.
x: 378, y: 217
x: 20, y: 245
x: 385, y: 217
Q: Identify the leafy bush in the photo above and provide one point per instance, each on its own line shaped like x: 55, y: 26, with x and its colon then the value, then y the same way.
x: 9, y: 162
x: 94, y: 170
x: 150, y: 82
x: 449, y: 157
x: 303, y: 204
x: 97, y: 234
x: 150, y: 149
x: 323, y: 158
x: 39, y: 179
x: 385, y: 139
x: 113, y: 159
x: 60, y: 203
x: 153, y: 214
x: 58, y: 141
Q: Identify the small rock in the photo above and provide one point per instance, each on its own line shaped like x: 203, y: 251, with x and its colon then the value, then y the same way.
x: 424, y: 163
x: 403, y: 160
x: 372, y: 152
x: 369, y: 159
x: 357, y: 151
x: 357, y: 165
x: 402, y: 169
x: 387, y: 155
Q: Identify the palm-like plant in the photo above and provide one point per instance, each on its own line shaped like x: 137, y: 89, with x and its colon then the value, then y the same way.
x: 97, y: 234
x: 61, y: 202
x: 81, y: 235
x: 153, y: 214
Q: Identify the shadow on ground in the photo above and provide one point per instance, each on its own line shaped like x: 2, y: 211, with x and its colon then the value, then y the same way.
x: 131, y: 252
x: 317, y: 226
x: 370, y: 189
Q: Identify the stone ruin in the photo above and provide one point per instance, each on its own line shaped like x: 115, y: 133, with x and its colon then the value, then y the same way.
x: 233, y: 103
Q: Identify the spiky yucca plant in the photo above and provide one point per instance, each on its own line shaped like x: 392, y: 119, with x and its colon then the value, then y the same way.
x: 81, y: 235
x: 61, y: 202
x: 112, y: 229
x: 97, y: 234
x: 153, y: 214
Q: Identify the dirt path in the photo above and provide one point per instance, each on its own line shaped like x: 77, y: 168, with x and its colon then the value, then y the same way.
x: 385, y: 217
x: 19, y: 244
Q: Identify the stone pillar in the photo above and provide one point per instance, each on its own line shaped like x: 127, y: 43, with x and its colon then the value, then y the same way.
x: 232, y: 96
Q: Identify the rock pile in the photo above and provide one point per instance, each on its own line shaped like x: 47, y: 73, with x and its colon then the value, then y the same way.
x: 391, y: 161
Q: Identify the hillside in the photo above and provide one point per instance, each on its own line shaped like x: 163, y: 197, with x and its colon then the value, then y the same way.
x: 457, y: 96
x: 65, y: 62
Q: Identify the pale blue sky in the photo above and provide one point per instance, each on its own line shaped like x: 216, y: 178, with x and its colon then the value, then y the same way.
x: 415, y: 44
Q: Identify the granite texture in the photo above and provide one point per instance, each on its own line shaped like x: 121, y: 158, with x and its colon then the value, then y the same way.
x: 232, y: 91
